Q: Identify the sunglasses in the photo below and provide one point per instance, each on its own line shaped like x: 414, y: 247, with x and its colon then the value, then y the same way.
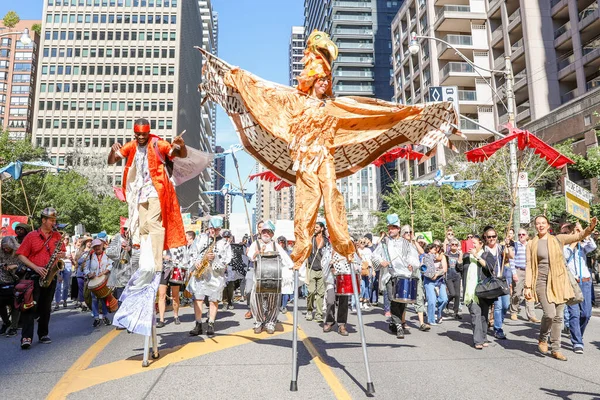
x: 522, y: 234
x: 469, y: 236
x: 454, y: 245
x: 491, y: 236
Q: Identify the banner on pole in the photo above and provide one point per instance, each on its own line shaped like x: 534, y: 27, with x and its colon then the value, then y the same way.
x: 577, y: 200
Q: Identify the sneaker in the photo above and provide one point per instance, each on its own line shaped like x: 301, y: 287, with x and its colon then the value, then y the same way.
x: 210, y: 330
x: 399, y: 332
x: 318, y: 319
x: 106, y: 321
x: 433, y: 324
x: 354, y: 310
x: 258, y: 329
x: 197, y: 329
x: 84, y: 308
x: 388, y: 314
x: 96, y: 323
x: 366, y: 307
x: 45, y: 339
x: 230, y: 307
x: 424, y: 328
x: 439, y: 320
x: 309, y: 316
x: 578, y: 350
x: 284, y: 310
x: 25, y: 343
x: 499, y: 334
x: 177, y: 321
x: 64, y: 304
x: 11, y: 332
x: 160, y: 324
x: 270, y: 329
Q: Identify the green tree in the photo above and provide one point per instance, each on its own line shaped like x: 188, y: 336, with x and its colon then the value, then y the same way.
x: 111, y: 209
x: 11, y: 19
x: 37, y: 28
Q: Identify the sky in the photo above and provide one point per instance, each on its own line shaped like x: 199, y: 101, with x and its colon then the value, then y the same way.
x: 253, y: 34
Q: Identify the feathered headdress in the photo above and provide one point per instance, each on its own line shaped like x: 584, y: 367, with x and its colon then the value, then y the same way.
x: 318, y: 57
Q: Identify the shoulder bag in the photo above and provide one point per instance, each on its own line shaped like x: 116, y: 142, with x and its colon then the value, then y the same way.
x: 492, y: 287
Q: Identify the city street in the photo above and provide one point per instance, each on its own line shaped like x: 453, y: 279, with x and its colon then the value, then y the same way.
x: 87, y: 363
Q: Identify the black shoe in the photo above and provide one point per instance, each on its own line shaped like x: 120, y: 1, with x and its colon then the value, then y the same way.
x: 393, y: 327
x: 11, y: 332
x: 96, y: 323
x: 399, y: 332
x: 210, y: 330
x: 25, y: 343
x: 197, y: 329
x: 160, y: 324
x: 45, y: 340
x: 177, y: 322
x: 106, y: 321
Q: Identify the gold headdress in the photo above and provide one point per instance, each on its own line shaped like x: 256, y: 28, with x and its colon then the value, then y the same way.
x: 318, y: 57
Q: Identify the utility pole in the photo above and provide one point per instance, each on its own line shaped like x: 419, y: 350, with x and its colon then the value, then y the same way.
x: 510, y: 98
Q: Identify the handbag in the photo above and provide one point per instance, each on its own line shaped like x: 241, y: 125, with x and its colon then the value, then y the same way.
x: 576, y: 290
x: 492, y: 287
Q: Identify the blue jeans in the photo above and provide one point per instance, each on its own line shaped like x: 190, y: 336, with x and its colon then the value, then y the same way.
x: 95, y: 301
x: 365, y: 290
x: 62, y: 288
x: 580, y: 314
x: 501, y: 306
x: 435, y: 303
x: 386, y: 301
x: 285, y: 299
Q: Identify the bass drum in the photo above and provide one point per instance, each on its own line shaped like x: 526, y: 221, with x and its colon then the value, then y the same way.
x: 405, y: 290
x: 343, y: 284
x: 268, y: 273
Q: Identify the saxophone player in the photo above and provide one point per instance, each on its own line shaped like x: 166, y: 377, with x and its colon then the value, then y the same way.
x: 35, y: 253
x: 208, y: 274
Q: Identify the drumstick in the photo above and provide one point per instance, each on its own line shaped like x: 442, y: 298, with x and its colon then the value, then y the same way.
x: 176, y: 146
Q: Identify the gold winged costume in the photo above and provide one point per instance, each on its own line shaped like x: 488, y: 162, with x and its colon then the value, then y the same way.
x: 311, y: 142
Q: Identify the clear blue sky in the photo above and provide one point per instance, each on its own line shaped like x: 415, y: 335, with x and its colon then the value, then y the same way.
x: 253, y: 34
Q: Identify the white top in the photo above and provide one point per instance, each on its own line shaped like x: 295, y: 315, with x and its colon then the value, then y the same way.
x: 97, y: 264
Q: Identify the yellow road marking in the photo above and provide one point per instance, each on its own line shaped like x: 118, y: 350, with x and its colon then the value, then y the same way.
x: 61, y: 389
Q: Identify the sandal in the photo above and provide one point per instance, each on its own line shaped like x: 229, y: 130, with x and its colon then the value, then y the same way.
x: 479, y: 346
x: 485, y: 344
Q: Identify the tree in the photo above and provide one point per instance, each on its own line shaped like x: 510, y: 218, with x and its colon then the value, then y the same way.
x: 90, y: 162
x: 11, y: 19
x: 37, y: 28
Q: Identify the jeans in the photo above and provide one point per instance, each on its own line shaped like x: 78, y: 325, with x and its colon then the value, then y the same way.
x: 95, y: 301
x: 365, y: 290
x: 285, y: 299
x: 435, y: 303
x: 80, y: 284
x: 43, y: 297
x: 386, y: 301
x: 501, y: 306
x: 580, y: 314
x: 374, y: 299
x: 117, y: 294
x: 62, y: 288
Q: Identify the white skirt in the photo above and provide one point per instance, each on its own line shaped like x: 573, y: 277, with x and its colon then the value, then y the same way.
x: 210, y: 285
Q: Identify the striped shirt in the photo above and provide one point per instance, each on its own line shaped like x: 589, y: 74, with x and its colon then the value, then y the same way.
x: 520, y: 260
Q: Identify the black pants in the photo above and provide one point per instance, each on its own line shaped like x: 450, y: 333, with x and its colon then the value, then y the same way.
x: 342, y: 312
x: 453, y: 284
x: 5, y: 303
x: 396, y: 308
x: 228, y: 292
x: 43, y: 298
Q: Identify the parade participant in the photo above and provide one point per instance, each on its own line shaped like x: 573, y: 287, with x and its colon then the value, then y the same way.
x: 399, y: 258
x: 518, y: 265
x: 8, y: 279
x: 21, y: 230
x: 35, y: 253
x: 575, y: 256
x: 313, y: 126
x: 74, y: 293
x: 287, y: 292
x: 249, y: 281
x: 208, y: 275
x: 164, y: 286
x: 435, y: 287
x: 315, y: 273
x: 497, y: 258
x: 236, y: 270
x: 547, y: 282
x: 331, y: 299
x: 125, y: 259
x: 265, y: 307
x: 98, y: 264
x: 64, y: 277
x: 453, y: 278
x: 479, y: 308
x: 367, y: 273
x: 81, y: 256
x: 155, y: 220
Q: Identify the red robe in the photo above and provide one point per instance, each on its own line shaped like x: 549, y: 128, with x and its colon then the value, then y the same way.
x: 169, y: 205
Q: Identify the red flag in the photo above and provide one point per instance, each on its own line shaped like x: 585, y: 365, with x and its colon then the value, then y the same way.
x: 401, y: 152
x: 265, y: 176
x: 119, y: 193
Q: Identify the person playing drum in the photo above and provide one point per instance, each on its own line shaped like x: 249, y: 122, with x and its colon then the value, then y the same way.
x: 265, y: 306
x: 98, y: 265
x: 399, y: 258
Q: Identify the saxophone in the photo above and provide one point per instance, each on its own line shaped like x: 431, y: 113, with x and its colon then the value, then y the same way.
x: 53, y: 266
x: 205, y: 263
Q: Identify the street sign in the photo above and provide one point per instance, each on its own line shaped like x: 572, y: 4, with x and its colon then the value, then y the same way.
x: 444, y: 93
x: 523, y: 180
x: 527, y: 198
x: 577, y: 200
x: 525, y: 215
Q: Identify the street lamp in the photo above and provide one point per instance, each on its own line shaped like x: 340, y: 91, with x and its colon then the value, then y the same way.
x: 25, y: 38
x: 414, y: 47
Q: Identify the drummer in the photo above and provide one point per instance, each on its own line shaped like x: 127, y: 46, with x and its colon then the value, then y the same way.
x: 399, y: 258
x: 265, y: 306
x: 98, y: 265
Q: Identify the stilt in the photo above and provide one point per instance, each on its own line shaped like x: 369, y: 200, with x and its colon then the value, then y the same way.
x: 294, y: 382
x: 155, y: 354
x: 370, y: 386
x: 145, y: 362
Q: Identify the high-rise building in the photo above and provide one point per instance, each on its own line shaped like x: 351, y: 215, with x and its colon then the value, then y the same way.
x: 219, y: 181
x: 105, y: 64
x: 18, y: 63
x: 297, y: 44
x: 361, y: 30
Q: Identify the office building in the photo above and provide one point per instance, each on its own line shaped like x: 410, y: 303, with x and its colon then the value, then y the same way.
x: 108, y: 62
x: 18, y: 63
x: 297, y: 44
x: 218, y: 181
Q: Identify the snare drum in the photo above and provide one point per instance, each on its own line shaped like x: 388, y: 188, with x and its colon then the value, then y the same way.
x: 177, y: 276
x: 405, y: 290
x: 98, y: 286
x: 343, y: 284
x: 268, y: 273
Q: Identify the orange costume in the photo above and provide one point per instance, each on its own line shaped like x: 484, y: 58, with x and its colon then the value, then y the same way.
x: 171, y: 235
x: 311, y: 142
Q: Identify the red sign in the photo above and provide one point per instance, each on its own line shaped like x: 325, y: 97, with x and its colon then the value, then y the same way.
x: 9, y: 222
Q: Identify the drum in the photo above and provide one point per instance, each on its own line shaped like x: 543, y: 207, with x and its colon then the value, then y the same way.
x: 111, y: 303
x: 99, y: 287
x: 343, y: 284
x: 405, y: 290
x: 268, y: 273
x: 177, y: 276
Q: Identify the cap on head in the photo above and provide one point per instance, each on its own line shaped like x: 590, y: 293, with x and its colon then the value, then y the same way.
x: 141, y: 125
x: 49, y: 212
x: 269, y: 225
x: 215, y: 222
x: 393, y: 220
x: 97, y: 242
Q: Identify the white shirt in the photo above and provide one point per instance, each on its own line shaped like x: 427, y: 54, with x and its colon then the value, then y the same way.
x: 143, y: 179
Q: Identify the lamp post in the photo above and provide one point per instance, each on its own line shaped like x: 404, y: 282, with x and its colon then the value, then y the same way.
x: 25, y: 38
x: 414, y: 48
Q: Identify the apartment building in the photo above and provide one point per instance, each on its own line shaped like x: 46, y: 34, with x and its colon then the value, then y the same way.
x: 105, y: 63
x: 297, y: 44
x: 18, y: 63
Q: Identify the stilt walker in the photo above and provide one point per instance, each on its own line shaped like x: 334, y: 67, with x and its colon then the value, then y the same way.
x: 306, y: 136
x: 294, y: 383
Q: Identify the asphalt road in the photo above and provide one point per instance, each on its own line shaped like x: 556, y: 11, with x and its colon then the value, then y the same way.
x: 101, y: 363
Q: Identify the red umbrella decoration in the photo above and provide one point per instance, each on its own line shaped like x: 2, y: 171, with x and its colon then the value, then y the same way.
x: 405, y: 152
x: 271, y: 177
x: 525, y: 139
